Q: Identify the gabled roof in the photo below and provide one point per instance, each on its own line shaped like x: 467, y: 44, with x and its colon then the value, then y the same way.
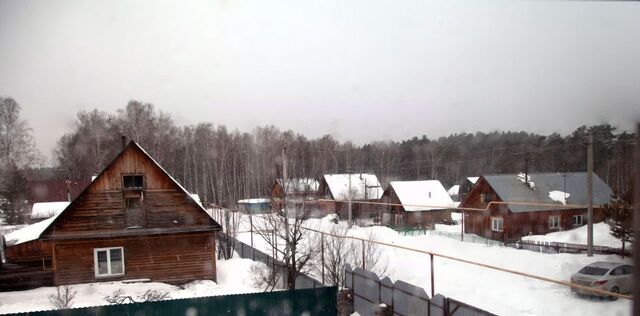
x: 364, y: 186
x: 454, y: 190
x: 44, y: 210
x: 300, y: 185
x: 510, y: 188
x: 134, y: 145
x: 422, y: 195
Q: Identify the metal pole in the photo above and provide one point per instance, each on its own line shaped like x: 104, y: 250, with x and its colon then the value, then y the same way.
x: 636, y: 227
x: 363, y: 265
x: 432, y: 278
x: 251, y: 233
x: 284, y: 201
x: 462, y: 228
x: 322, y: 254
x: 590, y: 196
x: 349, y: 196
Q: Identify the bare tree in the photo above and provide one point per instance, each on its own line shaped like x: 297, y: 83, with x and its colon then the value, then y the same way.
x: 226, y: 241
x: 17, y: 153
x: 63, y: 298
x: 282, y: 231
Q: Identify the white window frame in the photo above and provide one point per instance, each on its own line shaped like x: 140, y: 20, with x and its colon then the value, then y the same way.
x: 108, y: 251
x: 552, y: 221
x: 573, y: 219
x: 495, y: 220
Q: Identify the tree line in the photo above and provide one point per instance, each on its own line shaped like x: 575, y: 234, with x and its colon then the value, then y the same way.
x: 223, y: 166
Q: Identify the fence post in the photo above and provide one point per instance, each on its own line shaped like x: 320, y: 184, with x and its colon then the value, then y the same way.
x: 322, y: 254
x: 363, y: 265
x: 432, y: 278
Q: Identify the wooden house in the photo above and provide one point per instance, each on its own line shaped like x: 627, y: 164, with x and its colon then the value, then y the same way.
x: 417, y: 204
x: 297, y: 190
x: 363, y: 187
x: 515, y: 205
x: 134, y: 221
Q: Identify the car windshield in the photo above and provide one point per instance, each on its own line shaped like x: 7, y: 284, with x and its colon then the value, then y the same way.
x: 593, y: 271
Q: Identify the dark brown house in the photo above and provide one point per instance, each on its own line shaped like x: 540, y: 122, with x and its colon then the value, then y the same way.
x: 297, y: 190
x: 417, y: 204
x: 335, y: 190
x: 540, y: 204
x: 133, y: 221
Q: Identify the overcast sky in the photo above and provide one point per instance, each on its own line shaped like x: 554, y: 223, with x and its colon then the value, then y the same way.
x: 360, y: 70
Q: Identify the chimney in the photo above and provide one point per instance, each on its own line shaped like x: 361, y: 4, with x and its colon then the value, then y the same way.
x: 124, y: 142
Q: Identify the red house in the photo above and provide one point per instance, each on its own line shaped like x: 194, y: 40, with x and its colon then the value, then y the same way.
x: 516, y: 205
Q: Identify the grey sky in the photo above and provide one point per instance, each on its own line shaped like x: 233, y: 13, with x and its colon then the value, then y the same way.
x: 360, y: 70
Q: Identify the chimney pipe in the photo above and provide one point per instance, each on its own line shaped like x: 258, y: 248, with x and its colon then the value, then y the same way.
x: 124, y: 142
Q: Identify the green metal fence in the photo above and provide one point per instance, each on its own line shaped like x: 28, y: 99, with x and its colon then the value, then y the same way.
x: 318, y: 301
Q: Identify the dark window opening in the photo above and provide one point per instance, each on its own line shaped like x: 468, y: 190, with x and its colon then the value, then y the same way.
x: 133, y: 181
x: 133, y: 212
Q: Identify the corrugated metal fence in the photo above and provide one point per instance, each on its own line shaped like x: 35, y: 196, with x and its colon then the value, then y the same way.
x: 405, y: 299
x: 246, y: 251
x: 319, y: 301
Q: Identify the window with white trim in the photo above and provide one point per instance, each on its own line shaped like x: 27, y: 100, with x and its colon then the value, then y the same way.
x: 497, y: 224
x: 108, y: 261
x: 554, y: 222
x: 577, y: 220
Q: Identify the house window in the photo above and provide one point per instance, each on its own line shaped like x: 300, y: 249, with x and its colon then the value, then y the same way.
x: 134, y: 215
x: 108, y: 261
x: 133, y: 182
x: 577, y: 220
x: 554, y: 222
x: 482, y: 198
x: 497, y: 224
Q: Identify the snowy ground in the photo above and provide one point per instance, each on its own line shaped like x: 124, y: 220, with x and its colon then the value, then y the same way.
x: 233, y: 278
x: 601, y: 236
x: 494, y: 291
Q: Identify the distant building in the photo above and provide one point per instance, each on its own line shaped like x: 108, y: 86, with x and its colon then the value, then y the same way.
x: 539, y: 203
x: 44, y: 210
x: 417, y: 204
x: 364, y: 188
x: 454, y: 192
x: 254, y: 206
x: 54, y: 190
x: 297, y: 190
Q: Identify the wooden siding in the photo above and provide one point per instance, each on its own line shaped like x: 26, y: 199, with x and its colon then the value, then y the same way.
x: 101, y: 207
x: 515, y: 225
x: 176, y: 258
x: 35, y: 251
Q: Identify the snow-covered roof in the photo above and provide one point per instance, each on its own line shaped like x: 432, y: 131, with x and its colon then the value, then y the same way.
x: 29, y: 233
x: 196, y: 198
x: 548, y: 188
x: 254, y: 201
x: 44, y: 210
x: 473, y: 180
x: 300, y: 185
x: 422, y: 195
x: 364, y: 186
x: 454, y: 190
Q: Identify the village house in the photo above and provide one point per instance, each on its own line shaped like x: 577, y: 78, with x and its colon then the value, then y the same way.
x: 539, y: 203
x: 297, y: 190
x: 364, y: 188
x: 417, y: 204
x: 134, y: 221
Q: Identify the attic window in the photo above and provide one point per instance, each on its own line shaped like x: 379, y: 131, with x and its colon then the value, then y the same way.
x: 133, y: 182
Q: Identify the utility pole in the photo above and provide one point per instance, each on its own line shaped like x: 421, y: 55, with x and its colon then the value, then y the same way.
x: 284, y: 198
x: 590, y: 195
x: 636, y: 226
x: 349, y: 190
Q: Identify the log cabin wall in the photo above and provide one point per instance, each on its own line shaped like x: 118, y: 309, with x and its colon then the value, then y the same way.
x: 175, y: 258
x: 102, y: 206
x: 35, y: 252
x: 516, y: 225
